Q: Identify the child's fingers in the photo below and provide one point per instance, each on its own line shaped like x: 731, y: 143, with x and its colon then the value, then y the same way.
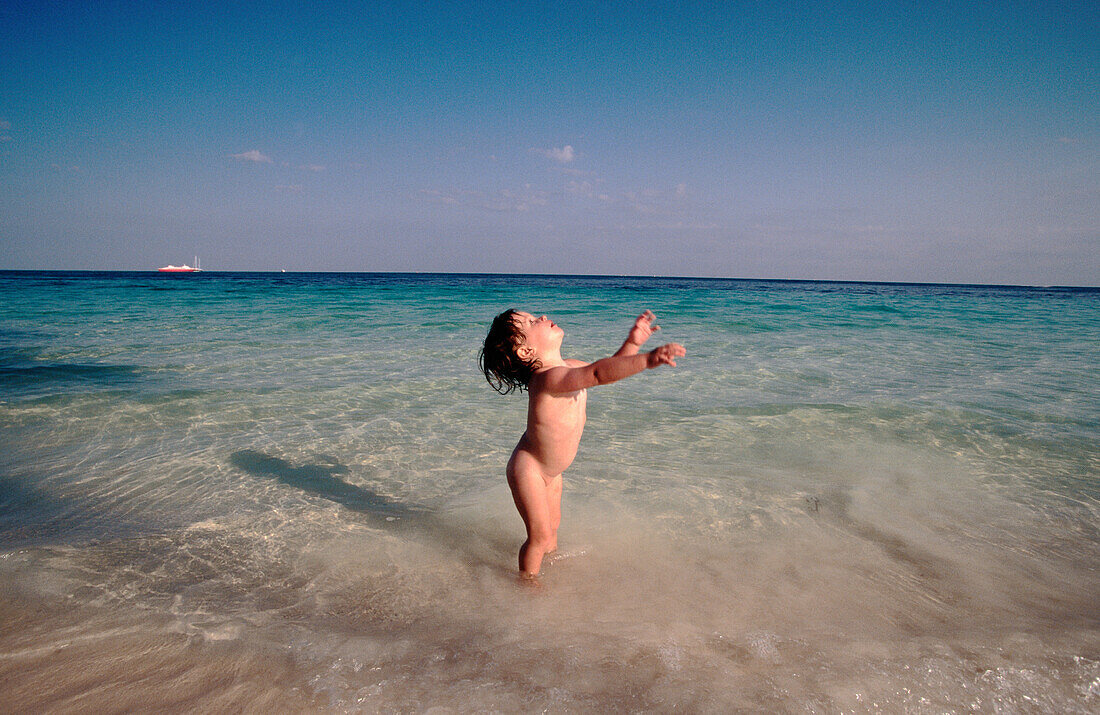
x: 667, y: 354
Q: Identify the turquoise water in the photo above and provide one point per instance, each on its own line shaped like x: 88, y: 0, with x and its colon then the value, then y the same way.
x: 286, y: 490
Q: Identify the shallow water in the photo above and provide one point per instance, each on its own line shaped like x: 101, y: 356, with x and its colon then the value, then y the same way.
x: 257, y: 491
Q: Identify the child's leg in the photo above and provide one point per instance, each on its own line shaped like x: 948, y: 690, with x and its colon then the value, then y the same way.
x: 530, y: 492
x: 553, y: 503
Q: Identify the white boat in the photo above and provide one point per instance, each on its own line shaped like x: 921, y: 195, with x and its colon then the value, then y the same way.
x: 182, y: 269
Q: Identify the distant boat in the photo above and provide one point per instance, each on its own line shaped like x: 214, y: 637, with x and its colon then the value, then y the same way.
x: 182, y: 269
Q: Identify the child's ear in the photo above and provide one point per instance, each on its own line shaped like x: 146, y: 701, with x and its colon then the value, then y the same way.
x: 525, y: 352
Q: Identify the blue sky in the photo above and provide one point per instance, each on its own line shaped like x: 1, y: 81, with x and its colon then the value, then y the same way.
x: 863, y: 141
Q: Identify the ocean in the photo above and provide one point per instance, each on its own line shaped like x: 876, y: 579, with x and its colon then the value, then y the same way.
x: 285, y: 492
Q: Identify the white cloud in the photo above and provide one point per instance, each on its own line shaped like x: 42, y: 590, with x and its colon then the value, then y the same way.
x: 316, y: 168
x: 253, y: 155
x: 641, y: 203
x: 439, y: 196
x: 672, y: 226
x: 520, y: 201
x: 504, y: 201
x: 681, y: 190
x: 562, y: 155
x: 581, y: 188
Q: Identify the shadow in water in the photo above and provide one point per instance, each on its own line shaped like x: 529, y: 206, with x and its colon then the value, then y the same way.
x: 321, y: 480
x: 32, y: 516
x: 438, y: 527
x: 27, y: 514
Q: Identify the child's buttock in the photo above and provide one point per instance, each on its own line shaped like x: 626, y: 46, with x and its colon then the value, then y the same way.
x: 524, y: 462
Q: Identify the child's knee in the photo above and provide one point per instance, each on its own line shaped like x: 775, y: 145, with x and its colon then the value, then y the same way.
x: 541, y: 537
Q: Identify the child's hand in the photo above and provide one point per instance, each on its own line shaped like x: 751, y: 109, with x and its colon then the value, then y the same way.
x: 665, y: 355
x: 642, y: 329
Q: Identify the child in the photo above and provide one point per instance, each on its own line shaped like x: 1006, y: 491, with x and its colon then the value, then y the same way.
x: 524, y: 352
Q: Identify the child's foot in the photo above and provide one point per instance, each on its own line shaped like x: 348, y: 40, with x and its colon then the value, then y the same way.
x: 528, y: 581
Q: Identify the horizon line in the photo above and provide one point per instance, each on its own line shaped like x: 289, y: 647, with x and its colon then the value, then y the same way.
x: 555, y: 275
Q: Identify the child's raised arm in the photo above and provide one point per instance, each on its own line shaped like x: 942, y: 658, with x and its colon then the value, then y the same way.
x: 624, y: 363
x: 643, y: 328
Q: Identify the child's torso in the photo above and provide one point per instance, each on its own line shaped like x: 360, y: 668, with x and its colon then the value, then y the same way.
x: 554, y: 427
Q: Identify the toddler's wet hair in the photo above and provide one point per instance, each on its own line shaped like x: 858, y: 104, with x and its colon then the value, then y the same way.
x: 504, y: 369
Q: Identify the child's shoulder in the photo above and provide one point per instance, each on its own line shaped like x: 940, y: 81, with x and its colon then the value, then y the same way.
x: 568, y: 362
x: 539, y: 379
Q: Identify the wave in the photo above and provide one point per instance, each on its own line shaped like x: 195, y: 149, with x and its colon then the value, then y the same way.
x: 14, y: 376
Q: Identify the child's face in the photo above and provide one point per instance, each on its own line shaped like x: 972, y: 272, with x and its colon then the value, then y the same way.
x: 539, y: 333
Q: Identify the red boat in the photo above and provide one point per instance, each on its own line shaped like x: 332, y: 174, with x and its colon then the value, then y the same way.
x: 182, y: 269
